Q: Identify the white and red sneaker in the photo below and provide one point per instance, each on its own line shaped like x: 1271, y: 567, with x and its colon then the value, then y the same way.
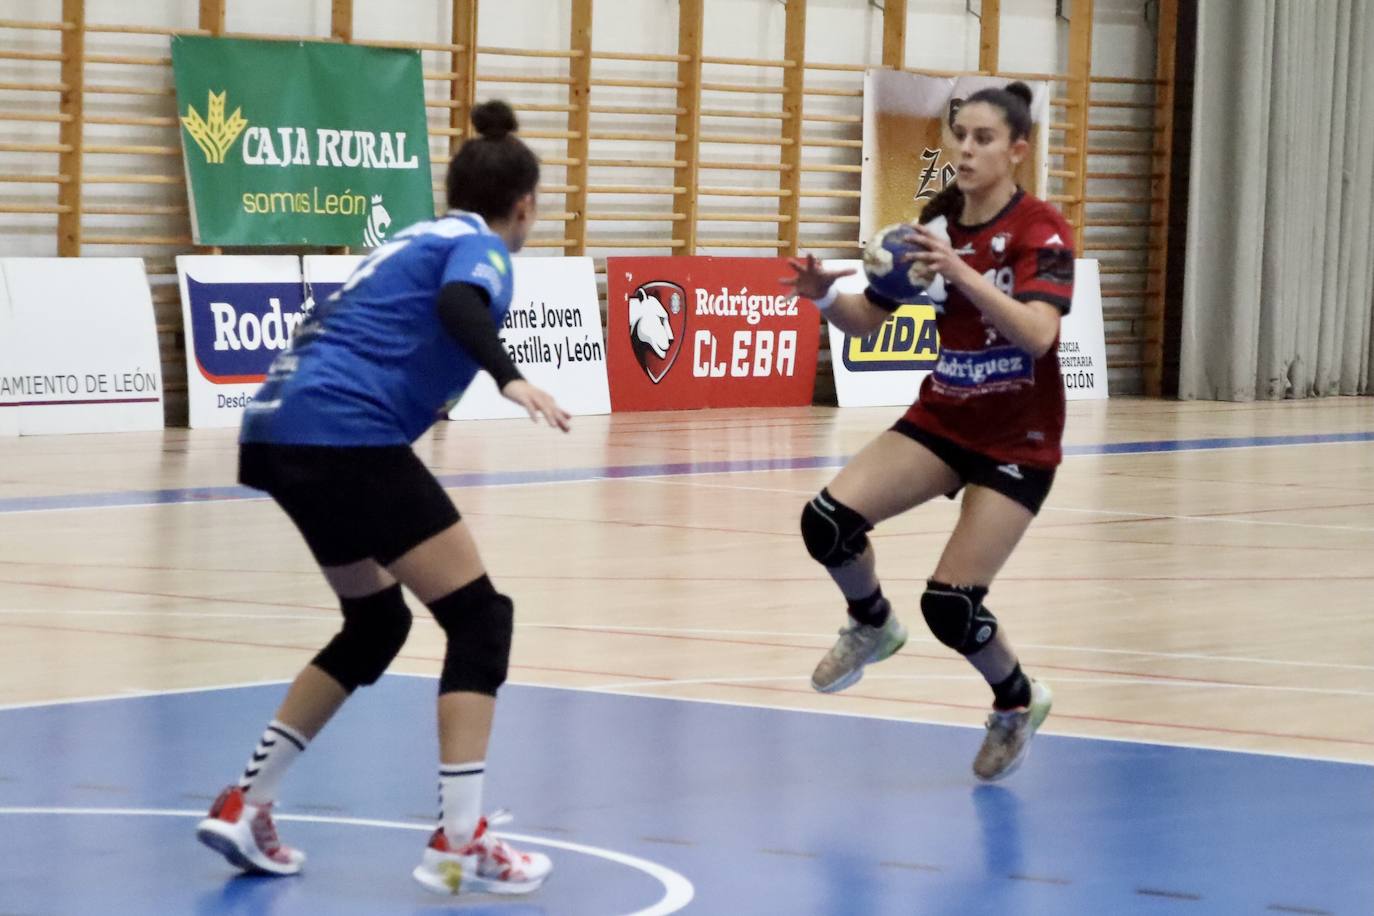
x: 484, y: 865
x: 245, y: 835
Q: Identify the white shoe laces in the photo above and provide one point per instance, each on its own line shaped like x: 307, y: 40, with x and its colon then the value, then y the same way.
x: 265, y: 830
x: 1004, y: 720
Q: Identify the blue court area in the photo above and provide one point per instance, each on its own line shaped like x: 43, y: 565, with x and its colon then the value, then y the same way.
x: 654, y: 806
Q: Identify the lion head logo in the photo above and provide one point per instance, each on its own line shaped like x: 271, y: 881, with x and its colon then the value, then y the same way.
x: 658, y: 322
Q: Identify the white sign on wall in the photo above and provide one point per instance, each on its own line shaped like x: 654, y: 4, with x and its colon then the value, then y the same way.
x: 1082, y: 342
x: 239, y: 313
x: 83, y: 356
x: 9, y: 409
x: 554, y: 334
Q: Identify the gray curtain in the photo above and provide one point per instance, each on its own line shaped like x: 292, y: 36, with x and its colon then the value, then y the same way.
x: 1279, y: 290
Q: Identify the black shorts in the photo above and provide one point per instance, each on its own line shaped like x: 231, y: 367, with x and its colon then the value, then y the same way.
x: 351, y: 503
x: 1028, y: 486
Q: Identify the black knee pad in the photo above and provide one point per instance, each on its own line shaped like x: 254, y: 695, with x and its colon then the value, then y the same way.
x: 835, y: 535
x: 374, y: 630
x: 955, y: 614
x: 479, y: 622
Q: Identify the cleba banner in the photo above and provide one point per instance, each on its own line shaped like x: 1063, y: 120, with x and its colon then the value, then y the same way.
x: 239, y: 313
x: 340, y: 159
x: 694, y: 332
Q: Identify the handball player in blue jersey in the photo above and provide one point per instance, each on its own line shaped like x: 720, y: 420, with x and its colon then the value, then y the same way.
x: 329, y: 436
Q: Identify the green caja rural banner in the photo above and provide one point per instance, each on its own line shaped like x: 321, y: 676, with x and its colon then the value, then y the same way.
x: 301, y: 143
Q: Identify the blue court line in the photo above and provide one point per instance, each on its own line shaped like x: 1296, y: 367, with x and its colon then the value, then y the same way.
x: 1204, y: 445
x: 615, y: 472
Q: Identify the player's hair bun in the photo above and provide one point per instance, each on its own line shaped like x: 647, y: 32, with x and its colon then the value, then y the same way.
x: 494, y: 120
x: 1021, y: 91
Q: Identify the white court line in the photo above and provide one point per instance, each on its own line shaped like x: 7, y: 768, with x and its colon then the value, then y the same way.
x: 322, y: 617
x: 138, y: 505
x: 1218, y: 519
x: 677, y: 890
x: 1222, y: 519
x: 1136, y: 680
x: 1287, y: 755
x: 701, y: 631
x: 1057, y: 731
x: 668, y: 481
x: 141, y: 693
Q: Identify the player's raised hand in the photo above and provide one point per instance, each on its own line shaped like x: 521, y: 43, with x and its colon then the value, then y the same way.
x: 812, y: 280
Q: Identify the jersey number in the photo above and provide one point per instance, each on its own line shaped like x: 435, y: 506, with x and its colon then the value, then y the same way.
x: 1004, y: 279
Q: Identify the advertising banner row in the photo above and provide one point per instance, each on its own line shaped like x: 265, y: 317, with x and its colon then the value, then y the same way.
x: 79, y: 344
x: 681, y: 333
x: 78, y: 347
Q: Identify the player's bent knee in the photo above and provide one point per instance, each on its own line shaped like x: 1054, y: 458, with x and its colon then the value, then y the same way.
x: 834, y: 534
x: 957, y: 617
x: 479, y: 623
x: 375, y: 628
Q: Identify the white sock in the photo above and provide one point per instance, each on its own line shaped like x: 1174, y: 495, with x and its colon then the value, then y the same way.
x: 277, y: 749
x: 460, y: 799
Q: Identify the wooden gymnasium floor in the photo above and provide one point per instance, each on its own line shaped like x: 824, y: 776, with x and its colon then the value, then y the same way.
x: 1201, y: 576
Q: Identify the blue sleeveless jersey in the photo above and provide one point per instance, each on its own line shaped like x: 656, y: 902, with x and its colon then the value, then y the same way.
x: 373, y: 364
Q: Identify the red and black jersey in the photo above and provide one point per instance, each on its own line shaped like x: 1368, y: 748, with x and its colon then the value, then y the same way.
x: 986, y: 393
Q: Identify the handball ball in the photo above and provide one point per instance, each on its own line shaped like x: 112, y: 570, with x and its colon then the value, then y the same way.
x: 890, y: 278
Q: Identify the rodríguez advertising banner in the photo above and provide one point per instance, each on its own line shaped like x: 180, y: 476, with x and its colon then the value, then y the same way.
x: 693, y: 332
x: 301, y: 143
x: 239, y: 313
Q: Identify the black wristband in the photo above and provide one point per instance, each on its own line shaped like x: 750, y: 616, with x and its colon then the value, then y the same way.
x: 881, y: 301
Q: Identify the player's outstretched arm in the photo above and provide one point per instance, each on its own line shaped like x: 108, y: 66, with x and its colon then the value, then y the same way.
x: 850, y: 312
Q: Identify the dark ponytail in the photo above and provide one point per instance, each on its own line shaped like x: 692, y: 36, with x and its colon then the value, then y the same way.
x: 1015, y: 102
x: 493, y: 170
x: 949, y: 203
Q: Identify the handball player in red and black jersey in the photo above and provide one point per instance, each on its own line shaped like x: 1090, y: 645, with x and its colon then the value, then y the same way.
x: 988, y: 421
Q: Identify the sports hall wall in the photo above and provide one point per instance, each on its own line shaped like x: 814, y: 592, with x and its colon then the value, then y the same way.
x: 665, y: 126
